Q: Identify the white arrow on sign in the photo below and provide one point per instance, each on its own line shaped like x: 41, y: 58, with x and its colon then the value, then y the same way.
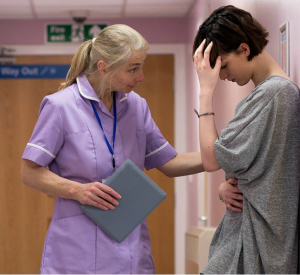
x: 94, y: 31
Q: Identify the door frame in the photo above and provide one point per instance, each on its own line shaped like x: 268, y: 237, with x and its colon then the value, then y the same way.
x: 180, y: 200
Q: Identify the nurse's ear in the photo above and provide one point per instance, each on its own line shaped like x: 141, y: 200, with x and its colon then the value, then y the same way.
x: 102, y: 67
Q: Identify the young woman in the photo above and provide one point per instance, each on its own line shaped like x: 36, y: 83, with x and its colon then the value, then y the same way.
x: 260, y: 146
x: 80, y: 154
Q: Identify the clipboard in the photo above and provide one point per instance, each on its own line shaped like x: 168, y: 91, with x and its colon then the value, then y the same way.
x: 140, y: 196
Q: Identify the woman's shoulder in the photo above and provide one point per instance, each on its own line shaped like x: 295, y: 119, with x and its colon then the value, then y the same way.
x: 274, y: 87
x: 277, y: 83
x: 281, y: 90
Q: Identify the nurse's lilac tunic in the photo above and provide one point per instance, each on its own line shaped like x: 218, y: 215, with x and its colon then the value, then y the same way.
x: 68, y: 139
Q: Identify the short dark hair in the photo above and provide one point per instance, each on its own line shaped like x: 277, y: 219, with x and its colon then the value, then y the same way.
x: 228, y: 27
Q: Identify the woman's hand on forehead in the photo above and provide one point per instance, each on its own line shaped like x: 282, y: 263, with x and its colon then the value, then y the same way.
x: 207, y: 75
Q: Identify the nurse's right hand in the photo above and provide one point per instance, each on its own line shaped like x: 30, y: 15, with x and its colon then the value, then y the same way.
x: 98, y: 195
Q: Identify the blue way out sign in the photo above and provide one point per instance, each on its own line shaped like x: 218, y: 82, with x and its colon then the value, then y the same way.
x: 33, y: 71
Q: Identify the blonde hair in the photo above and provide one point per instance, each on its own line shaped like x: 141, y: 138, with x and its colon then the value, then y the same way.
x: 115, y: 45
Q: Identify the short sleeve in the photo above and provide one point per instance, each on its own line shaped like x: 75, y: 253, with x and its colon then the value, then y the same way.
x: 47, y: 136
x: 259, y: 129
x: 241, y: 142
x: 158, y: 149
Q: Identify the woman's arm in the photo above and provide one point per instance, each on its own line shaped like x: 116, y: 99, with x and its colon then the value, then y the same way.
x: 43, y: 180
x: 208, y: 78
x: 183, y: 164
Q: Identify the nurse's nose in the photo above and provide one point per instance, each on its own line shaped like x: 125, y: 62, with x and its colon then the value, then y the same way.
x: 140, y: 77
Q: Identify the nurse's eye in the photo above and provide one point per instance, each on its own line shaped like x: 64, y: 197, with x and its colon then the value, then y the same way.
x: 133, y: 70
x: 223, y: 67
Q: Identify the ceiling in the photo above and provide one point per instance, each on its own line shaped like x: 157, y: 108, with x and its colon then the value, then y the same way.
x: 63, y: 9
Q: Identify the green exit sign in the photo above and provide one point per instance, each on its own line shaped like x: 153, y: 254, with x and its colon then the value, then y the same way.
x: 72, y: 33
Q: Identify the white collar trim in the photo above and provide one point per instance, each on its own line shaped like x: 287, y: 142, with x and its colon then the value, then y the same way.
x: 124, y: 98
x: 90, y: 97
x: 83, y: 94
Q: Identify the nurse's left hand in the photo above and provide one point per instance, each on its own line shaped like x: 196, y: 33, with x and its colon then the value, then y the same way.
x: 207, y: 75
x: 98, y: 195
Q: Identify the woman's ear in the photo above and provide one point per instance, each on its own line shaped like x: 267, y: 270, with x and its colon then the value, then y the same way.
x: 244, y: 49
x: 101, y: 65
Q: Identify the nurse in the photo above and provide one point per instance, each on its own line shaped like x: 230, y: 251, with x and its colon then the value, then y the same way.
x: 83, y: 134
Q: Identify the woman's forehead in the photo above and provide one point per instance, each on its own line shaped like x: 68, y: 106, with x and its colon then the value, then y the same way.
x: 225, y: 56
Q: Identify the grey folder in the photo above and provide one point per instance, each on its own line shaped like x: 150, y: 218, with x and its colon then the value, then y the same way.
x: 140, y: 196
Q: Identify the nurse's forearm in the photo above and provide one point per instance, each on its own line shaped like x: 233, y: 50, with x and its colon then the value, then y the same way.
x: 207, y: 134
x: 183, y: 164
x: 47, y: 182
x: 93, y: 193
